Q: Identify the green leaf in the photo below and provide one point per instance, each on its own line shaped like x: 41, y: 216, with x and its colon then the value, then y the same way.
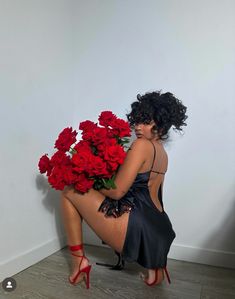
x: 99, y: 184
x: 106, y: 184
x: 113, y: 186
x: 125, y: 140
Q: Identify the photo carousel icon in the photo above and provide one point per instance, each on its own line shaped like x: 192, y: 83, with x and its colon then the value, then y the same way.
x: 9, y: 284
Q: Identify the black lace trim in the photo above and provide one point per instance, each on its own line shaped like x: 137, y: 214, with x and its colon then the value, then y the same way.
x: 115, y: 208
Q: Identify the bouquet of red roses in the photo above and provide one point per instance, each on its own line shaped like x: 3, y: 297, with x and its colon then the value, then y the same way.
x: 91, y: 162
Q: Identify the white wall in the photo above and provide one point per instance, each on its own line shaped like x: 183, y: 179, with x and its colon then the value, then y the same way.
x: 65, y: 61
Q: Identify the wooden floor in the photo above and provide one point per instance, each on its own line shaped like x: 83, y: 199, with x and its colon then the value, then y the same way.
x: 48, y: 279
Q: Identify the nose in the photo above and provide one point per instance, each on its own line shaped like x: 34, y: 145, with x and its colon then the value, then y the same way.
x: 138, y: 128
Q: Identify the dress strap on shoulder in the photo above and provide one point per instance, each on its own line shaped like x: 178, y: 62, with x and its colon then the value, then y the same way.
x: 153, y: 155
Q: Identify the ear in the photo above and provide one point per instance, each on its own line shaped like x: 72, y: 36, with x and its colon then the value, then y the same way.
x: 152, y: 123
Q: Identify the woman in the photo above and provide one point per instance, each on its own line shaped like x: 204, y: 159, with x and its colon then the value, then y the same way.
x: 131, y: 218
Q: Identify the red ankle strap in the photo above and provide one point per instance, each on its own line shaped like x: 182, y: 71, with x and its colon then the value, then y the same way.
x: 76, y: 247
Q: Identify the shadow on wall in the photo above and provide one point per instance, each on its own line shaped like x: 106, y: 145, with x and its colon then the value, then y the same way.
x: 223, y: 238
x: 51, y: 202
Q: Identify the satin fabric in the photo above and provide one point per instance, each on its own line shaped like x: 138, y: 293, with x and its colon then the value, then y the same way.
x: 149, y: 232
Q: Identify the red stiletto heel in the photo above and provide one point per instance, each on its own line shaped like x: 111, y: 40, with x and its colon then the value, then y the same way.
x: 85, y: 270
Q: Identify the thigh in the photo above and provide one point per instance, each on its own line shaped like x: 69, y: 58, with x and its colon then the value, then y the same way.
x: 111, y: 230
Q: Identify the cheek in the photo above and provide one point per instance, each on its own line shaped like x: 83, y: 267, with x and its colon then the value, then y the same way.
x: 146, y: 132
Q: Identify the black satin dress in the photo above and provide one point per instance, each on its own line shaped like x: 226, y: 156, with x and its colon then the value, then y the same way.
x: 149, y: 232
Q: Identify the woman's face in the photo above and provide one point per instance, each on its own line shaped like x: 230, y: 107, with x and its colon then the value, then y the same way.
x: 144, y: 130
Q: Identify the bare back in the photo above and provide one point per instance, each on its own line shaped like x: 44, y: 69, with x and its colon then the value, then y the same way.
x: 158, y: 165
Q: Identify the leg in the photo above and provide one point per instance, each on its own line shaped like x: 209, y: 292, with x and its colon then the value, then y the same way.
x: 73, y: 226
x: 72, y: 219
x: 111, y: 230
x: 72, y: 222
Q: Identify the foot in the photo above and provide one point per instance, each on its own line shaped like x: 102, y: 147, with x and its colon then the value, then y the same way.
x: 76, y: 262
x: 150, y: 278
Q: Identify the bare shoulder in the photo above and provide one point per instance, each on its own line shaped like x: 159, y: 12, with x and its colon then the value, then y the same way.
x: 141, y: 147
x: 140, y: 143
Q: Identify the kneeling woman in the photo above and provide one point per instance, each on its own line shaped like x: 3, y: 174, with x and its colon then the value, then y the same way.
x: 131, y: 218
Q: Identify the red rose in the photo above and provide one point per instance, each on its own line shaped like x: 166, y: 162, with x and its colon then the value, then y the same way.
x: 87, y: 125
x: 83, y: 184
x: 70, y: 176
x: 114, y: 153
x: 121, y: 128
x: 56, y: 178
x: 60, y: 157
x: 99, y: 135
x: 44, y: 165
x: 112, y: 166
x: 102, y: 146
x: 87, y: 136
x: 97, y: 167
x: 106, y: 118
x: 81, y: 161
x: 66, y: 138
x: 110, y: 133
x: 83, y: 146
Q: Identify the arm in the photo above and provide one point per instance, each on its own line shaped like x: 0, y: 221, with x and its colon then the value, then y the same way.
x: 136, y: 156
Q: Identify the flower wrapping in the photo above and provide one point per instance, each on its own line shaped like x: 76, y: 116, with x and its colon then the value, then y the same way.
x: 91, y: 162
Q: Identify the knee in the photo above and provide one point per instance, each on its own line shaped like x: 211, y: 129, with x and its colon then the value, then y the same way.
x: 65, y: 199
x: 68, y: 193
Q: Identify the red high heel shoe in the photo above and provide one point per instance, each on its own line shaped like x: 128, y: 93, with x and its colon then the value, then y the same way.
x: 85, y: 270
x: 156, y: 277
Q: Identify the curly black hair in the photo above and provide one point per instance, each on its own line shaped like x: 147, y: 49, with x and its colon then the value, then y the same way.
x: 163, y: 108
